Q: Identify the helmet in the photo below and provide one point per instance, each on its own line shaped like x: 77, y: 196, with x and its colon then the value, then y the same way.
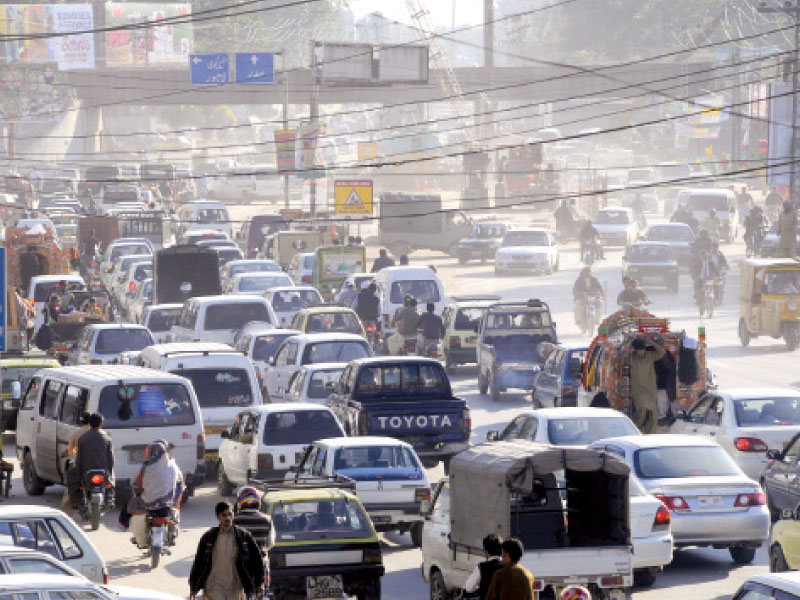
x: 155, y: 451
x: 248, y: 497
x: 575, y: 592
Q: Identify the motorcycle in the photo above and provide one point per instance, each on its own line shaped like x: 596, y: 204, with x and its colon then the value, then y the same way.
x: 590, y: 252
x: 410, y: 346
x: 430, y: 348
x: 707, y: 299
x: 98, y: 497
x: 592, y: 310
x: 375, y: 337
x: 163, y: 526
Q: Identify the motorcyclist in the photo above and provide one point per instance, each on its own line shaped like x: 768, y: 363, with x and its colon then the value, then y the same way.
x: 563, y: 217
x: 754, y: 230
x: 405, y: 322
x: 718, y: 257
x: 585, y: 284
x: 367, y: 304
x: 248, y: 515
x: 684, y: 215
x: 590, y: 239
x: 430, y: 325
x: 632, y: 293
x: 702, y: 242
x: 383, y: 260
x: 743, y: 198
x: 347, y: 295
x: 773, y: 201
x: 703, y: 269
x: 94, y: 451
x: 157, y: 488
x: 713, y: 224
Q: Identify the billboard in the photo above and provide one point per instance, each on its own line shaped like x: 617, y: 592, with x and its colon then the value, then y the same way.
x: 28, y: 33
x: 31, y: 93
x: 160, y: 44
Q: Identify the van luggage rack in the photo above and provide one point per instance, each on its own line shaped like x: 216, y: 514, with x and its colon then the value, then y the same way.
x: 335, y: 481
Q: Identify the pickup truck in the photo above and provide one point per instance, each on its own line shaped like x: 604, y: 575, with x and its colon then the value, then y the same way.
x: 509, y: 335
x: 407, y: 398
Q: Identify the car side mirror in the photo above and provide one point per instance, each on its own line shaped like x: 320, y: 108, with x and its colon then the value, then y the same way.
x: 16, y: 390
x: 225, y: 434
x: 425, y: 508
x: 682, y: 414
x: 492, y: 435
x: 773, y: 454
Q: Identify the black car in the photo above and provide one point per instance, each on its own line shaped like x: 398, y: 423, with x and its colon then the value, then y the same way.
x: 482, y: 242
x: 678, y: 236
x: 652, y: 264
x: 781, y: 478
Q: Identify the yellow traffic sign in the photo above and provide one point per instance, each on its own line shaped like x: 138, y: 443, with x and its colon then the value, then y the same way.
x: 353, y: 197
x: 367, y: 150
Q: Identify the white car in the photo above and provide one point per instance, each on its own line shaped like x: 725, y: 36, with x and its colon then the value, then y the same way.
x: 711, y: 501
x: 102, y: 343
x: 257, y: 283
x: 527, y: 249
x: 617, y: 226
x: 780, y: 586
x: 141, y: 299
x: 746, y: 422
x: 226, y: 254
x: 159, y: 319
x: 650, y: 534
x: 312, y: 383
x: 260, y: 344
x: 264, y: 442
x: 32, y: 585
x: 301, y: 269
x: 254, y: 265
x: 114, y: 278
x: 311, y: 348
x: 566, y: 426
x: 131, y: 280
x: 389, y: 479
x: 287, y: 301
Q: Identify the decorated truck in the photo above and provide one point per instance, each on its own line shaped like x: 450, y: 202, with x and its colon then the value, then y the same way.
x: 31, y: 252
x: 334, y: 264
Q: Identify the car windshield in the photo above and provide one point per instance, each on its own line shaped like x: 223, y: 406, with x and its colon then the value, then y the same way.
x: 322, y: 352
x: 162, y: 319
x: 146, y: 405
x: 359, y: 461
x: 670, y: 234
x: 226, y: 254
x: 42, y: 291
x: 319, y: 520
x: 782, y: 282
x: 317, y: 389
x: 612, y: 217
x: 672, y: 462
x: 21, y: 374
x: 705, y: 202
x: 645, y: 253
x: 127, y: 261
x: 485, y: 232
x: 114, y: 341
x: 127, y: 250
x: 259, y: 283
x: 467, y: 319
x: 407, y: 380
x: 143, y: 272
x: 234, y: 315
x: 212, y: 215
x: 265, y: 346
x: 581, y: 432
x: 424, y: 290
x: 219, y: 387
x: 336, y: 322
x: 254, y: 267
x: 525, y: 238
x: 300, y: 427
x: 518, y: 320
x: 293, y: 300
x: 765, y: 412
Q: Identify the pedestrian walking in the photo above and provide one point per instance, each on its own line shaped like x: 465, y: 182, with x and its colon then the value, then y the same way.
x: 644, y: 386
x: 787, y: 230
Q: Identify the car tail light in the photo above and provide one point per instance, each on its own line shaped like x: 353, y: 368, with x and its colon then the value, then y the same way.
x: 95, y: 361
x: 674, y: 502
x: 201, y: 446
x: 455, y: 341
x: 370, y: 328
x: 662, y: 518
x: 750, y: 444
x: 568, y: 391
x: 467, y: 423
x: 265, y: 462
x: 132, y: 287
x: 745, y: 500
x: 97, y: 479
x: 307, y: 279
x: 105, y: 576
x: 362, y: 423
x: 372, y: 556
x: 538, y: 584
x: 611, y: 581
x: 421, y: 494
x: 160, y: 520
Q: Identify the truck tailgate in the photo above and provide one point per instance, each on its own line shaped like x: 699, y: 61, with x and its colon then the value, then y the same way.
x: 580, y: 564
x: 442, y: 417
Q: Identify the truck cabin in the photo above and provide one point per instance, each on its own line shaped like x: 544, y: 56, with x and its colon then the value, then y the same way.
x: 516, y: 330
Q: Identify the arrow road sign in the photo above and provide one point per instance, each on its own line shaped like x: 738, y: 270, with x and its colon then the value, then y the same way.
x: 255, y: 67
x: 209, y: 69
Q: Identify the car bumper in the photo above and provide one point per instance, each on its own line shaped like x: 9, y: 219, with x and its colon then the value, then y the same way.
x: 524, y: 265
x: 438, y: 450
x: 652, y: 551
x: 387, y: 516
x: 614, y: 239
x: 291, y: 581
x: 751, y: 525
x: 461, y: 355
x: 647, y: 277
x: 517, y: 379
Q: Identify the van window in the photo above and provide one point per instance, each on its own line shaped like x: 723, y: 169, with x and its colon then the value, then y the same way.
x: 300, y: 427
x: 163, y: 319
x: 114, y: 341
x: 334, y: 352
x: 30, y: 396
x: 50, y: 400
x: 150, y: 405
x: 219, y: 387
x: 233, y: 316
x: 74, y: 403
x: 424, y: 290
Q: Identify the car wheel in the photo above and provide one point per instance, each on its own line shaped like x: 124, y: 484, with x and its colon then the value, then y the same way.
x: 777, y: 561
x: 644, y: 577
x: 416, y: 534
x: 494, y: 389
x: 438, y: 588
x: 744, y: 334
x: 224, y: 486
x: 742, y: 555
x: 483, y: 385
x: 792, y: 338
x: 34, y: 486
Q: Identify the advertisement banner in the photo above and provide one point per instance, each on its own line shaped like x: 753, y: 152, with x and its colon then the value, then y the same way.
x: 71, y: 51
x: 160, y: 44
x: 307, y: 152
x: 284, y: 149
x: 30, y: 93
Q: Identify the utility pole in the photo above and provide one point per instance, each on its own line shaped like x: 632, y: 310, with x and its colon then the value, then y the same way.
x: 285, y: 122
x: 313, y: 118
x: 736, y: 115
x: 792, y: 9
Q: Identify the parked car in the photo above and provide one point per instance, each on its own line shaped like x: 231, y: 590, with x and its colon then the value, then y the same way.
x: 783, y: 586
x: 746, y: 423
x: 711, y: 501
x: 314, y: 383
x: 678, y: 236
x: 651, y: 264
x: 289, y: 300
x: 617, y: 226
x: 529, y: 250
x: 558, y: 381
x: 389, y: 479
x: 264, y: 442
x: 102, y: 343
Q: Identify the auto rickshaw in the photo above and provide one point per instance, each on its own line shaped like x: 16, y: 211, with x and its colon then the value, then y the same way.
x: 769, y: 300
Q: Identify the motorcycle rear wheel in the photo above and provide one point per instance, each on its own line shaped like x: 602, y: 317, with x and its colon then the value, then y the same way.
x: 94, y: 514
x: 155, y: 556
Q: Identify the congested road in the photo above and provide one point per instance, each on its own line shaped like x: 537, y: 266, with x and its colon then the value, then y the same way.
x: 702, y: 574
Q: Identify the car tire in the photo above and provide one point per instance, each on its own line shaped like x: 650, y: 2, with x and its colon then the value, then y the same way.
x: 224, y: 486
x: 744, y: 334
x: 437, y: 586
x: 483, y: 385
x: 371, y: 592
x: 494, y: 389
x: 644, y: 577
x: 34, y: 486
x: 742, y: 555
x: 777, y: 561
x: 792, y: 338
x: 416, y: 534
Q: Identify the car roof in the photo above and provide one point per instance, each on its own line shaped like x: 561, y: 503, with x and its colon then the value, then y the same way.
x: 57, y: 278
x: 659, y: 440
x: 669, y: 225
x: 291, y: 288
x: 300, y: 495
x: 10, y: 363
x: 226, y: 299
x: 328, y: 366
x: 406, y: 272
x: 28, y: 510
x: 571, y: 412
x: 530, y: 229
x: 787, y: 582
x: 258, y: 274
x: 361, y: 441
x: 329, y: 337
x: 752, y: 393
x: 24, y: 581
x: 649, y: 243
x: 393, y: 359
x: 286, y: 407
x: 131, y: 326
x: 327, y: 308
x: 190, y: 348
x: 268, y: 331
x: 164, y: 306
x: 246, y: 261
x: 111, y: 374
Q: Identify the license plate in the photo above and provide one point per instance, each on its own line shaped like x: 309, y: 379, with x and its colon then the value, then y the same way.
x: 381, y: 519
x: 324, y: 586
x: 709, y: 501
x: 136, y: 456
x: 158, y: 537
x: 210, y: 455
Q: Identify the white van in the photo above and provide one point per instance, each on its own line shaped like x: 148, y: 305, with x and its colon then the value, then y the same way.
x: 217, y: 318
x: 224, y: 380
x: 138, y: 406
x: 723, y: 202
x: 41, y: 286
x: 206, y: 215
x: 395, y: 283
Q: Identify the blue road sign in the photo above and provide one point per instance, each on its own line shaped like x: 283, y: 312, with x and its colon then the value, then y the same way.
x: 255, y: 67
x: 208, y: 69
x: 3, y: 298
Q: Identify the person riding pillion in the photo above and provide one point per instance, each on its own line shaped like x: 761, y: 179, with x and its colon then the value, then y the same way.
x: 405, y: 322
x: 249, y: 517
x: 430, y: 324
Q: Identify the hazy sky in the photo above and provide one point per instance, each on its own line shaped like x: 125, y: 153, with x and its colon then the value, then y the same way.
x: 468, y: 12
